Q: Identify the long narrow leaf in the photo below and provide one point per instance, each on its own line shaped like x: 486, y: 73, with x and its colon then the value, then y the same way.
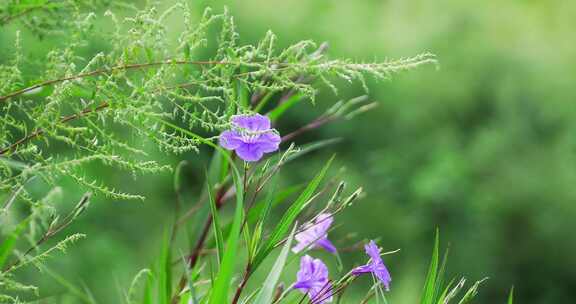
x: 290, y: 216
x: 267, y: 292
x: 165, y: 273
x: 216, y: 224
x: 8, y: 244
x: 511, y: 296
x: 429, y: 285
x: 219, y: 293
x: 472, y: 292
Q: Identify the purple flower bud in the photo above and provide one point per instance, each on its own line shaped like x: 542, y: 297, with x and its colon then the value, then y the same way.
x: 312, y: 279
x: 315, y: 234
x: 375, y: 265
x: 251, y: 137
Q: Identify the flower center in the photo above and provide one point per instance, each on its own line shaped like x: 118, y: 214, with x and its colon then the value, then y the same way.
x: 250, y: 137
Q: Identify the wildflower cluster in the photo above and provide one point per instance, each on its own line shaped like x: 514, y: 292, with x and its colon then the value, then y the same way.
x: 313, y: 275
x: 250, y: 138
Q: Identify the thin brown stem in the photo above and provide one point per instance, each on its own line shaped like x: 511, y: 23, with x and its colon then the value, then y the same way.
x: 53, y: 230
x: 65, y: 119
x: 109, y: 70
x: 245, y: 278
x: 320, y: 121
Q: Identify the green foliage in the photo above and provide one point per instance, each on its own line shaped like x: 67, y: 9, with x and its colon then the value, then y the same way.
x: 219, y: 292
x: 290, y: 216
x: 141, y: 94
x: 435, y: 292
x: 511, y: 296
x: 216, y: 228
x: 269, y: 287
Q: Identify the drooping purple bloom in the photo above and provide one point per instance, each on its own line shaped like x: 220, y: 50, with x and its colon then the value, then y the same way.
x: 312, y: 279
x: 375, y: 265
x: 315, y: 234
x: 251, y: 136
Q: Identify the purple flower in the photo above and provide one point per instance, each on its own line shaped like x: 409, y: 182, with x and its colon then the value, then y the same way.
x: 374, y: 266
x: 250, y: 136
x: 316, y: 234
x: 312, y: 279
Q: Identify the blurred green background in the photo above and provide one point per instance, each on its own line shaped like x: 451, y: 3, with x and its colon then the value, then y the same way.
x: 482, y: 148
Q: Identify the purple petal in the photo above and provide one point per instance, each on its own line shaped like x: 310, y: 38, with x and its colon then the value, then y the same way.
x: 321, y: 293
x: 268, y: 142
x: 230, y: 140
x: 323, y: 222
x: 249, y: 152
x: 306, y: 269
x: 299, y: 247
x: 362, y: 270
x: 254, y: 122
x: 313, y: 273
x: 316, y: 234
x: 326, y: 244
x: 383, y: 275
x: 373, y: 251
x: 305, y: 238
x: 304, y: 285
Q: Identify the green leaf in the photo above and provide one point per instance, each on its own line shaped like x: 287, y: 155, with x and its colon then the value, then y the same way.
x: 440, y: 276
x: 149, y: 290
x: 216, y: 224
x: 219, y: 293
x: 290, y: 215
x: 164, y: 282
x: 8, y: 244
x: 430, y: 283
x: 511, y: 296
x: 471, y: 293
x: 263, y: 101
x: 451, y: 292
x: 261, y: 208
x: 267, y: 293
x: 261, y: 216
x: 445, y: 293
x: 284, y: 106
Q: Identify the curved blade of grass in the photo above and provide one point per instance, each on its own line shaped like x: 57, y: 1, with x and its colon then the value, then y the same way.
x: 290, y: 216
x: 472, y: 292
x: 287, y: 104
x: 440, y: 277
x: 267, y: 292
x: 216, y: 224
x: 219, y: 293
x: 164, y: 282
x: 430, y: 283
x: 259, y: 209
x: 9, y: 243
x: 511, y: 296
x: 451, y: 292
x: 261, y: 216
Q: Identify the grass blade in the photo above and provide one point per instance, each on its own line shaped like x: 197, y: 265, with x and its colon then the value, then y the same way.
x: 219, y: 293
x: 430, y: 283
x: 216, y: 224
x: 511, y: 296
x: 9, y: 243
x: 165, y: 273
x: 267, y: 292
x: 290, y: 215
x: 287, y: 104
